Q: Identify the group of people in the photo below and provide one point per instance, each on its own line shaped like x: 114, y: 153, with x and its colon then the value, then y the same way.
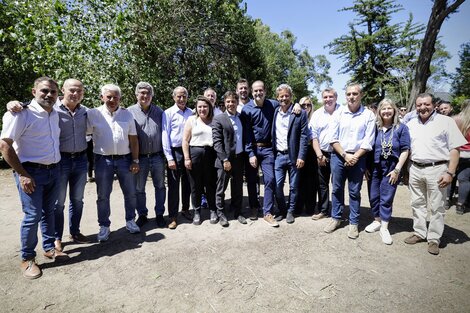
x: 204, y: 149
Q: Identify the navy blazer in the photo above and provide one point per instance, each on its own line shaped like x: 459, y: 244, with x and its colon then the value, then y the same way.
x: 297, y: 135
x: 224, y: 139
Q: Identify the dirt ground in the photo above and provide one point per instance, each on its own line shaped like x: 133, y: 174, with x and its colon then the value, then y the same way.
x: 242, y: 268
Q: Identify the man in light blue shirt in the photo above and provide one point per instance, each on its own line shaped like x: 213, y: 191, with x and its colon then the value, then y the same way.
x: 352, y: 135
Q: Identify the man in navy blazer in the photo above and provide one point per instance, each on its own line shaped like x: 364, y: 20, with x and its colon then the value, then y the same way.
x: 227, y: 134
x: 290, y: 142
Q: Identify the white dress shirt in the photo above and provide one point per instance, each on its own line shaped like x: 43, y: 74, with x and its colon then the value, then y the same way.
x: 320, y: 125
x: 282, y: 129
x: 174, y: 120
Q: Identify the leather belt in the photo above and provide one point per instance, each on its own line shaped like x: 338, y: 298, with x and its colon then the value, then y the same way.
x: 283, y: 152
x: 149, y: 155
x: 39, y: 165
x: 423, y: 165
x: 116, y: 156
x: 73, y: 155
x: 264, y: 144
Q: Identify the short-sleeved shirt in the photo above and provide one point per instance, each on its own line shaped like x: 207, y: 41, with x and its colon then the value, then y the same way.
x: 433, y: 140
x: 149, y: 126
x: 400, y: 141
x: 35, y: 134
x: 73, y: 126
x: 111, y: 130
x: 353, y: 131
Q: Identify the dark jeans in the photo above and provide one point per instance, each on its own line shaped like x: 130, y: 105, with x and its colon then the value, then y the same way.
x: 282, y: 165
x: 174, y: 178
x: 382, y: 192
x: 464, y: 181
x: 265, y: 158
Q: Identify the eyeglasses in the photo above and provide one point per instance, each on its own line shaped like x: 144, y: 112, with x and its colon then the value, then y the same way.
x: 305, y: 104
x: 403, y: 110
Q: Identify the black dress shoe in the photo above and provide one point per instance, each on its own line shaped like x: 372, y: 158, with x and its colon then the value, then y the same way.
x: 214, y: 218
x: 279, y: 218
x: 187, y: 215
x: 160, y: 221
x: 141, y: 220
x: 241, y: 219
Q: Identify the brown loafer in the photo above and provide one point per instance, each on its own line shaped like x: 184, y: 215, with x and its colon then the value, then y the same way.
x: 172, y: 224
x: 56, y: 255
x: 413, y: 239
x: 433, y: 247
x: 319, y: 216
x: 30, y: 269
x: 79, y: 238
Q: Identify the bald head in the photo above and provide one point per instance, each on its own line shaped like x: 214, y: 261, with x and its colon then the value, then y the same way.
x: 73, y: 93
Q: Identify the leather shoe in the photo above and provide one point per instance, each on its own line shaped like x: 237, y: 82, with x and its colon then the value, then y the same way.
x: 142, y: 220
x: 279, y: 217
x: 254, y: 214
x: 319, y: 216
x: 80, y: 238
x: 172, y: 224
x: 433, y: 247
x: 197, y: 218
x: 413, y: 239
x: 187, y: 215
x: 30, y: 269
x: 290, y: 218
x: 160, y: 221
x: 58, y: 245
x: 241, y: 219
x: 56, y: 255
x: 223, y: 220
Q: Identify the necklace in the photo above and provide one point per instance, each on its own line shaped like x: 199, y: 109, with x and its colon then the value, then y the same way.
x: 386, y: 144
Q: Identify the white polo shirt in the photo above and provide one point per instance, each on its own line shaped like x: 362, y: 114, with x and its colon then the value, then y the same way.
x: 35, y: 134
x: 111, y: 130
x: 433, y: 140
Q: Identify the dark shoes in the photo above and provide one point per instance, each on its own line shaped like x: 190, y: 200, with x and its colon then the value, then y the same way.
x: 254, y: 214
x: 30, y: 269
x: 197, y: 218
x: 56, y: 255
x: 433, y: 247
x: 187, y: 215
x: 223, y: 220
x: 413, y: 239
x: 241, y: 219
x: 214, y: 217
x: 279, y: 217
x: 290, y: 218
x: 142, y: 220
x: 79, y: 238
x: 459, y: 209
x: 160, y: 221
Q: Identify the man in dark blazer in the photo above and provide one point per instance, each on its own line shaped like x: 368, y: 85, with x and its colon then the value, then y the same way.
x: 227, y: 134
x: 290, y: 142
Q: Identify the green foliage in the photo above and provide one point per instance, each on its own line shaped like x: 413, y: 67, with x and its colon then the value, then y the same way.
x: 461, y: 79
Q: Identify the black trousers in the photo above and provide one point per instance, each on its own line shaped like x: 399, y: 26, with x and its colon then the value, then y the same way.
x: 235, y: 176
x: 202, y: 176
x: 174, y: 178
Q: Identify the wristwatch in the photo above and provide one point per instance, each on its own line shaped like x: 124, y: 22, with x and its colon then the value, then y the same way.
x: 343, y: 155
x: 451, y: 174
x: 136, y: 161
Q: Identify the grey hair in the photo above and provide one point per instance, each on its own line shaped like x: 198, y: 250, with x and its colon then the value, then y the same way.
x: 180, y: 88
x: 283, y: 87
x: 144, y: 85
x: 110, y: 87
x: 329, y: 89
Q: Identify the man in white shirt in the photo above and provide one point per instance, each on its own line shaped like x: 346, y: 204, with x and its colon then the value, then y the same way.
x: 30, y: 145
x: 352, y: 135
x: 320, y: 124
x: 116, y: 152
x: 435, y: 139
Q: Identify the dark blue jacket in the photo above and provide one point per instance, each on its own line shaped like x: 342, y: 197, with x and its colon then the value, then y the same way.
x: 297, y: 135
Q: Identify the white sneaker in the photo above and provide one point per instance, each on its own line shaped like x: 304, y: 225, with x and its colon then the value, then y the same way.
x: 132, y: 227
x: 373, y: 227
x: 103, y: 234
x: 385, y: 235
x: 353, y: 231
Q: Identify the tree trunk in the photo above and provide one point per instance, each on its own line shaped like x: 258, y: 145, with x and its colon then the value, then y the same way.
x: 439, y: 12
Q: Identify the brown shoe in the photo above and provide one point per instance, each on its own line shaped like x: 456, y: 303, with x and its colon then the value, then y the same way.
x: 79, y: 238
x: 56, y: 255
x: 413, y: 239
x: 433, y: 247
x: 30, y: 269
x: 268, y: 218
x: 172, y: 224
x: 58, y: 245
x: 319, y: 216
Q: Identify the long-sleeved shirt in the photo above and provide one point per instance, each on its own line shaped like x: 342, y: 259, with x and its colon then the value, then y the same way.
x: 173, y: 126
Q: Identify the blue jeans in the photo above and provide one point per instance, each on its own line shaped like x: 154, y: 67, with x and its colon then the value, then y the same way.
x: 265, y: 158
x: 105, y: 168
x: 38, y: 207
x: 156, y: 166
x: 381, y: 191
x: 354, y: 175
x: 282, y: 165
x: 73, y: 172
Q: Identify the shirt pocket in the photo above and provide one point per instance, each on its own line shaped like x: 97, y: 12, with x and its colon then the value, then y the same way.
x: 120, y: 130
